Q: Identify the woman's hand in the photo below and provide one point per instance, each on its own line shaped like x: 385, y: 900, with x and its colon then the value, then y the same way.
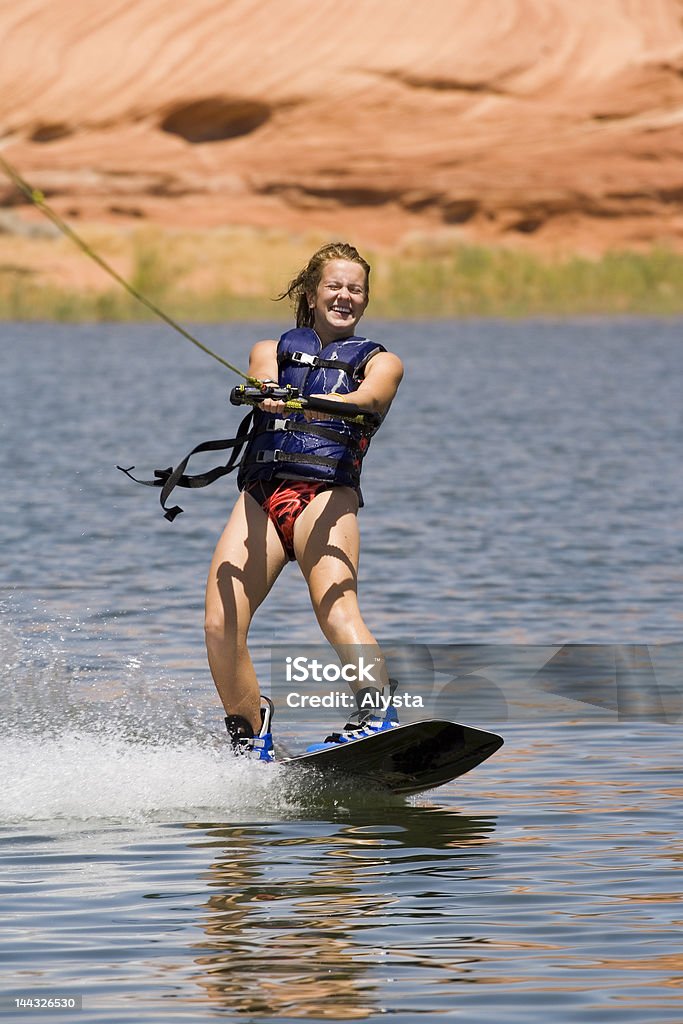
x: 272, y: 406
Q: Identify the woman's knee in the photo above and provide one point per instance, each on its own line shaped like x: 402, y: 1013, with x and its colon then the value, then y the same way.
x: 223, y: 620
x: 341, y: 618
x: 215, y: 625
x: 225, y: 617
x: 227, y: 607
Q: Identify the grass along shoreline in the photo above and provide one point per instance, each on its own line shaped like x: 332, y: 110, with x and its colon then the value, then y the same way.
x: 236, y: 274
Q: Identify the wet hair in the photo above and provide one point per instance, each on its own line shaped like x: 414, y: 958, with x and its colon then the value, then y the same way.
x: 307, y: 280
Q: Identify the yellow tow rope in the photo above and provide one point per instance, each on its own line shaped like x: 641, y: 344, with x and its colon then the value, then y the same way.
x: 36, y: 197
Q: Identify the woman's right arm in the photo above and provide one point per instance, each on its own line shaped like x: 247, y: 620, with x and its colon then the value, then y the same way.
x: 263, y: 366
x: 263, y: 361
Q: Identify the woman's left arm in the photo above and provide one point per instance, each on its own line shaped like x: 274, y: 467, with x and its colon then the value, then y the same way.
x: 383, y: 374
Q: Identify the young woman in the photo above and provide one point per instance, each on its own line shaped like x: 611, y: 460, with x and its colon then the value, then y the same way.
x: 299, y: 482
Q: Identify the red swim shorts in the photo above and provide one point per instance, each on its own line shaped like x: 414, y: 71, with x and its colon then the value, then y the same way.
x: 283, y: 501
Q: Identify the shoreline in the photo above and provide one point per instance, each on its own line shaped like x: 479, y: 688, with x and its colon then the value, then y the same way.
x: 237, y: 273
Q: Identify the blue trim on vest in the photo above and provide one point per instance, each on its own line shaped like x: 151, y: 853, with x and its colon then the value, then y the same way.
x: 336, y: 453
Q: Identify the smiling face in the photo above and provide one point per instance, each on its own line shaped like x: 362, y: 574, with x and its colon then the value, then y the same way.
x: 340, y: 300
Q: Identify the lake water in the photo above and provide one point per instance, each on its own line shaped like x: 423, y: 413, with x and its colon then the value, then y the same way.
x: 525, y: 494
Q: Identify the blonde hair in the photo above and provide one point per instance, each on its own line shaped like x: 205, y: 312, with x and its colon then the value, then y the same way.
x: 307, y: 280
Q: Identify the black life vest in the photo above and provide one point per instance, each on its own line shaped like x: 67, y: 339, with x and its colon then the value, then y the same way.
x: 294, y: 449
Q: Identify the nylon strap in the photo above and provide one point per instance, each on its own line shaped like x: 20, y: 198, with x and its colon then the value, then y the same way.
x: 301, y: 459
x: 315, y: 362
x: 297, y: 427
x: 170, y: 478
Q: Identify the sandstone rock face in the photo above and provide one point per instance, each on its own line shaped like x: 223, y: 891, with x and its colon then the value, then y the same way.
x: 552, y: 124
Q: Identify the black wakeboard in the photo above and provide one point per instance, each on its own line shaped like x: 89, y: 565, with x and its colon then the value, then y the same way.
x: 407, y: 759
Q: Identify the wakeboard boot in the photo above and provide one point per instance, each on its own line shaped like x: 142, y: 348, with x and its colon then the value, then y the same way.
x: 370, y: 718
x: 244, y: 743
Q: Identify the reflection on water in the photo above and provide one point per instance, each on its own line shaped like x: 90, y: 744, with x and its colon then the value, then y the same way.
x: 264, y: 923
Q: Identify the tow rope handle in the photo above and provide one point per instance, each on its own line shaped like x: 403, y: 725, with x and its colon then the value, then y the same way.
x: 245, y: 394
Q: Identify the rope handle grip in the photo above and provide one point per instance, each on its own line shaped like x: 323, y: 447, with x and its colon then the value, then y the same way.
x: 245, y: 394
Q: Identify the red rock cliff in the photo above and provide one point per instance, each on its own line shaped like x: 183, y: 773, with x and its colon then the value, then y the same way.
x: 555, y: 124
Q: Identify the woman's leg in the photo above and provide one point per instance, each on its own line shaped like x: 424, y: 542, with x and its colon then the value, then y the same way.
x: 248, y: 559
x: 327, y: 547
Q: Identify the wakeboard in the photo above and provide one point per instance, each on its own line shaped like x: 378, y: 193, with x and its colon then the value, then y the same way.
x: 408, y: 759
